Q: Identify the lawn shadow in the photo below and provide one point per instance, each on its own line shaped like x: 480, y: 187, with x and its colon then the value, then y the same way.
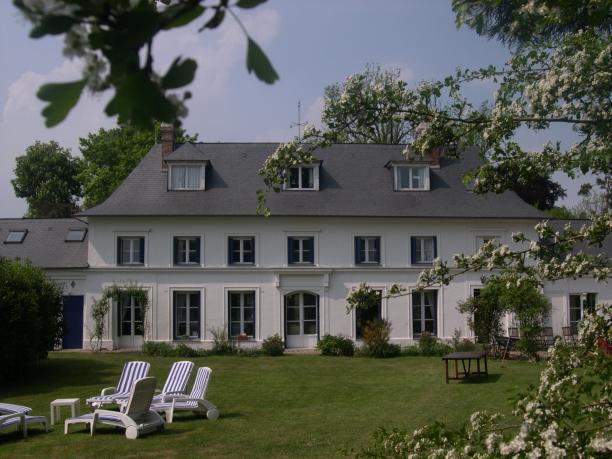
x: 490, y: 379
x: 53, y: 374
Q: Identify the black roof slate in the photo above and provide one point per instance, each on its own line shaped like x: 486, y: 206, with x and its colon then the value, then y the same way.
x: 353, y: 182
x: 44, y: 244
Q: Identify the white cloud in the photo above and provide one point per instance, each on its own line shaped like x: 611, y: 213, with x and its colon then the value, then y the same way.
x: 217, y: 53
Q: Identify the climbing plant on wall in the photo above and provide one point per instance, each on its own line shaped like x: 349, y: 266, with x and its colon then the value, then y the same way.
x: 100, y: 309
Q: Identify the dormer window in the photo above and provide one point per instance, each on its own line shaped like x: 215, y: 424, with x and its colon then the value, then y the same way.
x: 186, y: 177
x: 411, y: 177
x: 15, y: 236
x: 303, y: 178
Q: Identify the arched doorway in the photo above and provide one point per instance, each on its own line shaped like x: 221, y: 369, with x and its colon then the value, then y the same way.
x: 301, y: 319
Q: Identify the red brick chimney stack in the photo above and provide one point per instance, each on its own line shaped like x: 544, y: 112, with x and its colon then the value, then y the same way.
x: 435, y: 157
x: 167, y: 141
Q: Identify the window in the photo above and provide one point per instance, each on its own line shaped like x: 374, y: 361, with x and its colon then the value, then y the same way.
x: 186, y: 177
x: 300, y: 250
x: 423, y: 249
x: 15, y: 236
x: 482, y: 240
x: 363, y: 316
x: 579, y: 305
x: 241, y: 250
x: 424, y: 312
x: 411, y: 177
x: 130, y: 316
x: 303, y: 178
x: 130, y: 250
x: 242, y: 314
x: 367, y: 250
x: 76, y: 235
x: 186, y: 315
x: 186, y: 250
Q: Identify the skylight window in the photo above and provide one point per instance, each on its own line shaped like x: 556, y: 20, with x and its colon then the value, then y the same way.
x: 15, y: 236
x: 76, y: 235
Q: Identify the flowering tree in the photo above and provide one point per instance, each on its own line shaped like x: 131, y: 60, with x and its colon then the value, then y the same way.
x: 559, y: 73
x: 568, y: 415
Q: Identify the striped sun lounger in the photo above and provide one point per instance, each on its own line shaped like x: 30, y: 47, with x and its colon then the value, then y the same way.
x: 132, y: 371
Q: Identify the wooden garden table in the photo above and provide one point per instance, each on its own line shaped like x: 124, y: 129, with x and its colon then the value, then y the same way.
x: 467, y: 370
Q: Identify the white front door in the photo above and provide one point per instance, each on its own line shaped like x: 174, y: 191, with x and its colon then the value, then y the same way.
x: 302, y: 319
x: 131, y: 324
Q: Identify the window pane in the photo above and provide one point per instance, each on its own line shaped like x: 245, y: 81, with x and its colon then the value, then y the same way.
x: 294, y: 177
x: 416, y: 311
x: 307, y: 177
x: 249, y: 329
x: 293, y: 300
x: 403, y: 177
x: 235, y: 328
x: 248, y: 314
x: 429, y: 249
x: 76, y: 235
x: 193, y: 177
x: 235, y: 314
x: 310, y: 313
x: 416, y: 298
x: 419, y: 250
x: 194, y: 329
x: 309, y: 299
x: 293, y: 313
x: 418, y: 177
x: 178, y: 177
x: 249, y: 299
x: 310, y: 327
x: 429, y: 326
x: 194, y: 300
x: 416, y: 327
x: 181, y: 329
x: 293, y: 328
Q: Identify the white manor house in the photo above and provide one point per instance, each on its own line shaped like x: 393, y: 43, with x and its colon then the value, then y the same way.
x: 183, y: 226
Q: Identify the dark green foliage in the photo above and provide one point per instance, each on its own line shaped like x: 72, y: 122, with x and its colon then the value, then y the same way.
x: 110, y: 155
x: 30, y: 314
x: 336, y: 346
x: 561, y: 212
x: 222, y: 344
x: 540, y: 192
x: 182, y: 350
x: 429, y: 345
x: 46, y: 176
x: 114, y: 39
x: 376, y: 334
x: 155, y: 349
x: 273, y: 345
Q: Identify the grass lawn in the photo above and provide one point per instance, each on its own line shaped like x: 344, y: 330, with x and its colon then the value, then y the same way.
x: 290, y: 406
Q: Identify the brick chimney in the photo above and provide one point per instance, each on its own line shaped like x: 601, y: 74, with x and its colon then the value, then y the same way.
x: 167, y: 141
x: 435, y: 157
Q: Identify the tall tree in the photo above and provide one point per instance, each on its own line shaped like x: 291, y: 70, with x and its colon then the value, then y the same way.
x: 114, y: 39
x: 46, y: 177
x: 110, y: 155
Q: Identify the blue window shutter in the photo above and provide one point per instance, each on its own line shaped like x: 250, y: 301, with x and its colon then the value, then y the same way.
x: 176, y: 251
x: 412, y: 250
x: 229, y: 251
x: 435, y: 312
x: 435, y: 244
x: 198, y: 247
x: 142, y: 249
x: 357, y: 257
x: 119, y: 244
x: 377, y: 248
x: 119, y: 314
x: 290, y: 258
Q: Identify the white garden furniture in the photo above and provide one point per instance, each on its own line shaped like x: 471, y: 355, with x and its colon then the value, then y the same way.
x: 137, y: 419
x: 195, y: 402
x: 131, y: 372
x: 17, y: 416
x: 56, y: 404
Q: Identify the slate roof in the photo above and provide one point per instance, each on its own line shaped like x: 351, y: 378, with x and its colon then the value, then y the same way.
x: 353, y: 182
x: 44, y: 244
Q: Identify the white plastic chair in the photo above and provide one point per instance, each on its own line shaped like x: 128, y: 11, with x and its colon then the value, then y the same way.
x: 17, y: 416
x: 195, y: 402
x: 132, y: 371
x: 137, y: 419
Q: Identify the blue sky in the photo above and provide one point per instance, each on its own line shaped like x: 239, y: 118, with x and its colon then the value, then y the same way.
x: 311, y: 43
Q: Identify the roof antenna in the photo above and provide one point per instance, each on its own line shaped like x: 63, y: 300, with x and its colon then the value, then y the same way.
x: 299, y: 123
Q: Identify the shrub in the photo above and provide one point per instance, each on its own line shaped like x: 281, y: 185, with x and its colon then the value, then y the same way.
x: 429, y: 345
x: 154, y: 349
x: 463, y: 345
x: 221, y: 342
x: 273, y: 345
x: 411, y: 351
x: 376, y: 334
x: 336, y: 346
x: 182, y: 350
x: 30, y: 314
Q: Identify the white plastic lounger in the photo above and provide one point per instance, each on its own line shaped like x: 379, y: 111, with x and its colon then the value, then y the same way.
x: 131, y: 372
x: 16, y: 415
x: 195, y: 402
x: 137, y: 419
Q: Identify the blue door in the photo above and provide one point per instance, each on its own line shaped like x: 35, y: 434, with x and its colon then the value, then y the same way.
x: 73, y: 322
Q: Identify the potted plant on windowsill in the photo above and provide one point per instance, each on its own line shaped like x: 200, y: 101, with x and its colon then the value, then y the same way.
x: 242, y: 337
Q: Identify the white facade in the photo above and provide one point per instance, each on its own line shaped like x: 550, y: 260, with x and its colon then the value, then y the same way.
x: 271, y: 278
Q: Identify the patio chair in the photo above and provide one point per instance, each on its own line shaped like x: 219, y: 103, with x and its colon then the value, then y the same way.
x: 195, y: 402
x: 131, y: 372
x: 548, y: 337
x: 17, y: 415
x: 137, y: 419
